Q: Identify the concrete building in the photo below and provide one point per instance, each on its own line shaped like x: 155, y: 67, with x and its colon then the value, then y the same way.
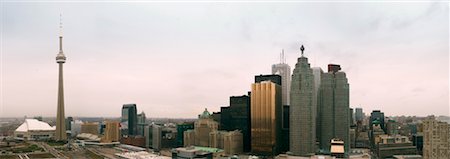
x: 90, y: 128
x: 153, y: 137
x: 33, y: 129
x: 60, y: 134
x: 392, y: 127
x: 284, y: 148
x: 334, y: 108
x: 189, y: 138
x: 237, y: 117
x: 230, y: 142
x: 284, y: 70
x: 359, y: 114
x: 75, y: 128
x: 216, y: 139
x: 68, y: 122
x: 233, y: 142
x: 266, y: 107
x: 302, y: 128
x: 129, y: 120
x: 317, y: 73
x: 190, y: 153
x: 377, y: 115
x: 390, y: 145
x: 112, y: 132
x: 272, y: 78
x: 202, y: 128
x: 436, y: 139
x: 141, y: 123
x: 181, y: 128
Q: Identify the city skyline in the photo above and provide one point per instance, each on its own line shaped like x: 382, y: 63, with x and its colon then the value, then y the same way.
x: 174, y: 61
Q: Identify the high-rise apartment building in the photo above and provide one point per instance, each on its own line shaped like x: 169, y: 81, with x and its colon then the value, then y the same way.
x: 334, y: 108
x: 237, y: 117
x: 302, y: 128
x: 284, y: 70
x: 436, y: 139
x: 266, y: 109
x: 129, y: 120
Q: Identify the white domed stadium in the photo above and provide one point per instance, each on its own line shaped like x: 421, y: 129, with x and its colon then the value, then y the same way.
x: 33, y: 129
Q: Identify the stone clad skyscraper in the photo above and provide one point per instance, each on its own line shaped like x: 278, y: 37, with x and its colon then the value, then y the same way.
x: 60, y: 134
x: 334, y: 108
x: 302, y: 120
x: 284, y: 70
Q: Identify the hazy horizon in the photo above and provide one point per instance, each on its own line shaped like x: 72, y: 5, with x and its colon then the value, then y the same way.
x: 176, y: 59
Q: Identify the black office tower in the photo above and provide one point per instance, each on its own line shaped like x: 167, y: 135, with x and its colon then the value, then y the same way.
x: 237, y: 117
x: 129, y: 120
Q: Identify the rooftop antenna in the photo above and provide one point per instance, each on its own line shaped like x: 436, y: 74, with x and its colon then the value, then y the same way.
x: 282, y: 56
x: 60, y: 24
x: 60, y: 32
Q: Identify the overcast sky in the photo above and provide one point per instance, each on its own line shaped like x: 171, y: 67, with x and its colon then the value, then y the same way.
x: 175, y: 59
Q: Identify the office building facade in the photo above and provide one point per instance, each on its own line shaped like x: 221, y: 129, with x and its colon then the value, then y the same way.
x: 266, y: 107
x: 112, y: 132
x: 302, y: 128
x: 129, y: 120
x: 284, y: 70
x: 436, y: 139
x: 334, y: 108
x: 237, y: 117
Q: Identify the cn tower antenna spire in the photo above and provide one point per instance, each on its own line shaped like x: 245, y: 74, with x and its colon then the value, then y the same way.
x: 60, y: 33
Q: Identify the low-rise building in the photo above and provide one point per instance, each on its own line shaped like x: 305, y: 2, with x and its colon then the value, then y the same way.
x: 190, y: 153
x: 388, y: 146
x: 90, y: 128
x: 33, y: 129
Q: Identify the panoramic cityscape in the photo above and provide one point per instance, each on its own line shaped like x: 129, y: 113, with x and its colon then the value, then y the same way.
x: 229, y: 80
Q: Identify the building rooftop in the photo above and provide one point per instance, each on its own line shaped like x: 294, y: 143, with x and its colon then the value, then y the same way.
x: 34, y: 125
x: 140, y: 155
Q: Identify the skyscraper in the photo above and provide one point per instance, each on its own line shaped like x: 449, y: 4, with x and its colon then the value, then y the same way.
x: 284, y: 70
x: 266, y: 107
x: 141, y: 123
x: 334, y: 108
x: 359, y: 115
x: 237, y: 117
x: 60, y: 134
x: 129, y: 120
x: 377, y: 115
x: 317, y: 72
x: 302, y: 120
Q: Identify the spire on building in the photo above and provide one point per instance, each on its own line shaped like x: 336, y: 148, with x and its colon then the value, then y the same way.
x: 60, y: 58
x: 302, y: 49
x: 60, y: 33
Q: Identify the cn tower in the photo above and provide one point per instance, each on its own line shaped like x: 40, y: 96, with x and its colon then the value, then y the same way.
x: 60, y: 134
